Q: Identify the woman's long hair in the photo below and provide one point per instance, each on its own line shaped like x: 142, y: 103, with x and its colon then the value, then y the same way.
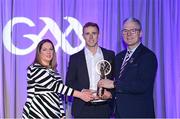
x: 53, y: 62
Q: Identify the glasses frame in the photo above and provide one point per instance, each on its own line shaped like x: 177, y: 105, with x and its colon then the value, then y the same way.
x: 131, y: 31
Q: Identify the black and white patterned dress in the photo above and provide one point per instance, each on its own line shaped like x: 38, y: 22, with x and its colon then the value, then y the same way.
x: 43, y: 93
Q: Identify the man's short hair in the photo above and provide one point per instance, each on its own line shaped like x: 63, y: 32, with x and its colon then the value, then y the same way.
x: 133, y: 20
x: 90, y: 24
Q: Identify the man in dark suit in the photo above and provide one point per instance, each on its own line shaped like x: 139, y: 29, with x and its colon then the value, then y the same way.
x: 135, y: 72
x: 82, y: 75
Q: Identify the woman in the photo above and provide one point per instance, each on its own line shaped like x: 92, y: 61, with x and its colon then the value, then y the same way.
x: 45, y: 85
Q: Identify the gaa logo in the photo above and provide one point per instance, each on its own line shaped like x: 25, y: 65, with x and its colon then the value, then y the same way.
x: 51, y: 26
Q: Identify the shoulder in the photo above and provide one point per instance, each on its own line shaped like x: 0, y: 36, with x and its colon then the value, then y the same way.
x: 147, y: 56
x: 76, y: 55
x: 146, y: 51
x: 120, y: 54
x: 32, y: 67
x: 35, y: 67
x: 104, y: 50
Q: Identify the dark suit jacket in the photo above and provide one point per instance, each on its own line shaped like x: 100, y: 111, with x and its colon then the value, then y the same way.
x: 77, y: 75
x: 134, y: 89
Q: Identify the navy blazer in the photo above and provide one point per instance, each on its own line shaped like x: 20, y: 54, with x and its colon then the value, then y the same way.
x: 134, y: 89
x: 77, y: 75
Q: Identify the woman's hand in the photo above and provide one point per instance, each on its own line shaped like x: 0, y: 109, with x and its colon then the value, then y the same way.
x: 85, y: 95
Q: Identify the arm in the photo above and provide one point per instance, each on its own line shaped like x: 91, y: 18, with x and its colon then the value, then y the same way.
x: 54, y: 85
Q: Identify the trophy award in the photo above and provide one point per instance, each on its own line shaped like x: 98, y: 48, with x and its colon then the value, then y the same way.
x: 103, y: 68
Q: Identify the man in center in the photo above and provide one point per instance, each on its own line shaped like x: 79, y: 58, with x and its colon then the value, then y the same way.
x: 82, y: 75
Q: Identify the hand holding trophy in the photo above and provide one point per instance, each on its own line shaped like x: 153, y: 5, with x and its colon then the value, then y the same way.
x: 103, y: 68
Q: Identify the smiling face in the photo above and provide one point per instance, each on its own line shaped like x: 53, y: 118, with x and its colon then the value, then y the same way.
x: 131, y: 34
x: 46, y: 53
x: 90, y: 35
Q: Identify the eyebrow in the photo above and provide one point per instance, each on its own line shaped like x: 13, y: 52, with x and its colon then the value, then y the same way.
x: 131, y: 29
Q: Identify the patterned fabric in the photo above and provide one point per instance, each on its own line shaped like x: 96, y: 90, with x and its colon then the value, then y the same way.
x: 126, y: 59
x: 44, y: 91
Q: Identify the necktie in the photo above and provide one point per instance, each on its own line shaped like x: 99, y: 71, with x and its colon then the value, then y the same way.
x: 127, y: 57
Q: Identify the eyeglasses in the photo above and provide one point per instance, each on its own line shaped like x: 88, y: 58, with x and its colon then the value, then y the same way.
x: 131, y: 31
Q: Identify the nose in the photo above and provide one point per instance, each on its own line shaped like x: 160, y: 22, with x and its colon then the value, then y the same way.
x: 90, y: 36
x: 49, y: 51
x: 128, y: 33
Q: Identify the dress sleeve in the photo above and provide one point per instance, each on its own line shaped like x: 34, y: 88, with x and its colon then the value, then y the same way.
x: 51, y: 82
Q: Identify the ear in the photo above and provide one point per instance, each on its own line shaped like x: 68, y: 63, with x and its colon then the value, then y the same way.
x: 140, y: 34
x: 83, y: 35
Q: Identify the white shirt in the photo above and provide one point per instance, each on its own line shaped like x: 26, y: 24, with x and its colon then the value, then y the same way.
x: 91, y: 61
x: 132, y: 51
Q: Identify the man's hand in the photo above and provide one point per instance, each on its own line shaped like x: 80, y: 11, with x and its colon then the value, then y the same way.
x: 106, y: 83
x: 106, y: 95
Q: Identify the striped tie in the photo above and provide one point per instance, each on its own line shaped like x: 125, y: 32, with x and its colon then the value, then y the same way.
x: 127, y: 57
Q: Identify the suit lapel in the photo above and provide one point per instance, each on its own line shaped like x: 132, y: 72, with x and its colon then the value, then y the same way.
x: 123, y: 56
x: 106, y: 55
x: 137, y: 51
x: 83, y: 67
x: 136, y: 54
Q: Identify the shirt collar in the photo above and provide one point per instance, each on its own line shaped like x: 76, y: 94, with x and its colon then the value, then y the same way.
x: 132, y: 50
x: 88, y: 52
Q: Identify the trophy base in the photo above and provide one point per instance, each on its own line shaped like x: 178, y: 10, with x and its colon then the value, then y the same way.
x: 98, y: 100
